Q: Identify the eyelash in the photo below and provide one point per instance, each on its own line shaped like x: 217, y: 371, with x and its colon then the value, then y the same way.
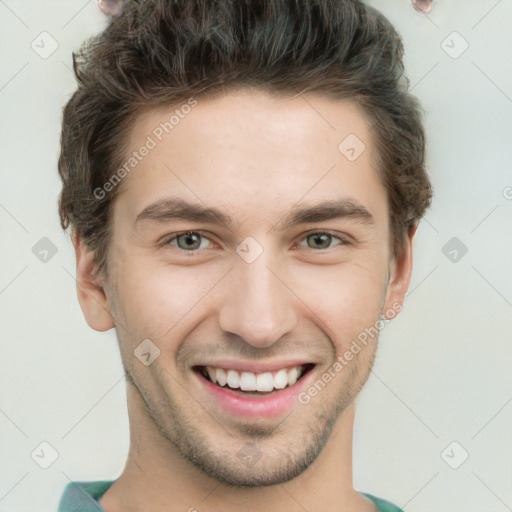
x: 168, y: 241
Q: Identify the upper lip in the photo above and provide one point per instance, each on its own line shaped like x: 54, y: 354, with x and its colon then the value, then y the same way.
x: 256, y: 366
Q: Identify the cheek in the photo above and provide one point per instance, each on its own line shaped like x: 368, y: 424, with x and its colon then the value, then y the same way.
x: 347, y: 299
x: 155, y: 301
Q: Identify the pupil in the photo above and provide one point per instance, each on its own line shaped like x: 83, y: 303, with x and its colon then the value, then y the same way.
x: 189, y: 239
x: 318, y: 238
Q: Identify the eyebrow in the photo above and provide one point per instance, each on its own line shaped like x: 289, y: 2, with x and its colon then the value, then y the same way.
x: 169, y: 209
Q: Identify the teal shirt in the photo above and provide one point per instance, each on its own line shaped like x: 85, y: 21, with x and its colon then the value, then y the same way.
x: 84, y: 496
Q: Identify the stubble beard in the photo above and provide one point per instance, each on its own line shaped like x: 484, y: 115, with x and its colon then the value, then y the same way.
x: 282, y: 452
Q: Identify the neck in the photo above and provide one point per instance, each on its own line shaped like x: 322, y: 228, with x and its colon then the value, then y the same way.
x: 156, y: 475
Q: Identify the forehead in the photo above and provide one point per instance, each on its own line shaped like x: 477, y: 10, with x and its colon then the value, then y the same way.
x: 254, y: 153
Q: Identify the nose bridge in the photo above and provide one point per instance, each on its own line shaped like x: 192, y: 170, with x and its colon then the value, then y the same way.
x: 257, y: 305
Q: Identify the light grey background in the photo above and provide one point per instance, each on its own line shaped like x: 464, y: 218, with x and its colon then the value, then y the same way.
x: 443, y: 370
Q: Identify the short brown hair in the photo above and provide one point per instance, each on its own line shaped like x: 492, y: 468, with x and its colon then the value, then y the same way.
x: 161, y: 52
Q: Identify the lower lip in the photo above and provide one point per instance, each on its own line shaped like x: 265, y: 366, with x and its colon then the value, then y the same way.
x: 264, y: 406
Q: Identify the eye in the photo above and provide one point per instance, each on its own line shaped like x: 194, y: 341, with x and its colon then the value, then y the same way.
x: 321, y: 240
x: 189, y: 241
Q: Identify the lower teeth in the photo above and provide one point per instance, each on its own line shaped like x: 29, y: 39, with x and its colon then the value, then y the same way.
x: 254, y: 392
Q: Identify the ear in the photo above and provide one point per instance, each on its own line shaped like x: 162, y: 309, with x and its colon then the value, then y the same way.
x: 91, y: 294
x: 400, y: 271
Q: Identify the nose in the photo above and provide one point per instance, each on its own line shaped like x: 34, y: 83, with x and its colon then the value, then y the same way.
x: 258, y: 305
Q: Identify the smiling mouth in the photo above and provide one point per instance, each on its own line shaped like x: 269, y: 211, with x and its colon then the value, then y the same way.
x: 254, y: 383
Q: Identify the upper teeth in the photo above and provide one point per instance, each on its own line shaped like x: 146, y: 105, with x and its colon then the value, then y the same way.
x: 249, y: 381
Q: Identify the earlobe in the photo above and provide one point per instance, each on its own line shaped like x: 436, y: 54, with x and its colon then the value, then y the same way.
x: 91, y: 295
x: 400, y: 272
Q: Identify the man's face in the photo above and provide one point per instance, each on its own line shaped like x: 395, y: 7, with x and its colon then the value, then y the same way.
x: 258, y: 295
